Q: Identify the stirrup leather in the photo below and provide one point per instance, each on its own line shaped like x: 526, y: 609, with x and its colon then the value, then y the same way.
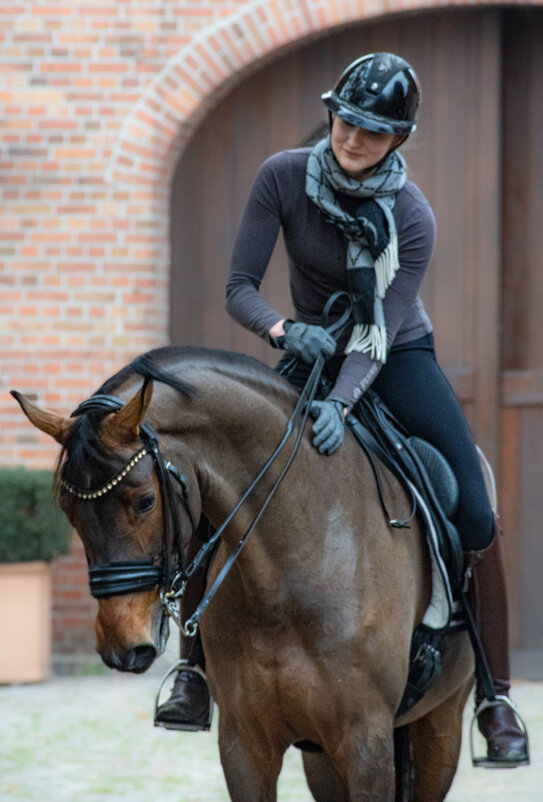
x: 168, y: 725
x: 484, y: 762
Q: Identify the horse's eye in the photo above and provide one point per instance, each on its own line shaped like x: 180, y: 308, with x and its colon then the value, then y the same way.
x: 144, y: 504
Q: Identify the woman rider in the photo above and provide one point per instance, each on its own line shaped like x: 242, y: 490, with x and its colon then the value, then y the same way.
x: 352, y: 221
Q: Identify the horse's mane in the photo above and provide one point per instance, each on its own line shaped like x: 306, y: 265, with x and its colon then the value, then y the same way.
x: 164, y: 365
x: 151, y: 366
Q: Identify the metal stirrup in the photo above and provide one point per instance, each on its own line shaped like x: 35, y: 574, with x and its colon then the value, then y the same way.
x: 485, y: 762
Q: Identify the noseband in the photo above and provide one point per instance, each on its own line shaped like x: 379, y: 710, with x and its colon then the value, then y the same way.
x: 117, y: 578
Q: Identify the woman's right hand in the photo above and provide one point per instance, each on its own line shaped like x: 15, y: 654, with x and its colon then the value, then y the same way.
x: 306, y: 341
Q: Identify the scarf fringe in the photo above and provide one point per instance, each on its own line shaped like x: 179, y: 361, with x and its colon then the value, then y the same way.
x: 386, y: 266
x: 370, y: 339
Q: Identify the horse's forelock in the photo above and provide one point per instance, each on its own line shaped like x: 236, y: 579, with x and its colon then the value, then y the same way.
x: 82, y: 446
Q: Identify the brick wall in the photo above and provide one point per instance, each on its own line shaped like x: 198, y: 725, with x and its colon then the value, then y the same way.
x: 97, y: 100
x: 83, y: 271
x: 83, y: 259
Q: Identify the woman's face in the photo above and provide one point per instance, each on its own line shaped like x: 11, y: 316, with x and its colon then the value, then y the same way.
x: 356, y: 149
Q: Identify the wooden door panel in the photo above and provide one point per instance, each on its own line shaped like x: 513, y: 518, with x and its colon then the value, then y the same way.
x: 485, y: 305
x: 522, y: 330
x: 520, y: 506
x: 522, y: 237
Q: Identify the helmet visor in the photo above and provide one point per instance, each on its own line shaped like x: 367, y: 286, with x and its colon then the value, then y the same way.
x: 365, y: 118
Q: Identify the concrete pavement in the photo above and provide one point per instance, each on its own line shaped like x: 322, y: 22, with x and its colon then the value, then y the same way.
x: 91, y: 739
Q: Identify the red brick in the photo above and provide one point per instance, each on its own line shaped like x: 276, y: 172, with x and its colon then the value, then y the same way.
x: 97, y: 236
x: 53, y: 66
x: 51, y: 11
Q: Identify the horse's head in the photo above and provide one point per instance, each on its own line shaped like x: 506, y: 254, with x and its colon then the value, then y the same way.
x: 111, y: 481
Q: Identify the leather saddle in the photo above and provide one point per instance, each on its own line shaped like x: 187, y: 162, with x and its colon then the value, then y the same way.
x: 422, y: 470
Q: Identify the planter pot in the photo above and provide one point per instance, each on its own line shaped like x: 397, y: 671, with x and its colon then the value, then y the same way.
x: 25, y: 621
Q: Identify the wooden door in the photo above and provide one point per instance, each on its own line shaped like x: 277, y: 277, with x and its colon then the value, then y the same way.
x: 475, y: 84
x: 522, y: 333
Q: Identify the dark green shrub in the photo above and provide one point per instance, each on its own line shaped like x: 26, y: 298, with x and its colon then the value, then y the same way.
x: 32, y: 527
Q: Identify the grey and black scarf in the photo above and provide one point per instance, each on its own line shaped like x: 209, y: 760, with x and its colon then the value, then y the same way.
x: 372, y: 252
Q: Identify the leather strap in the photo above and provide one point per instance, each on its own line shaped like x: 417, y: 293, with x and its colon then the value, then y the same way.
x: 372, y: 447
x: 297, y: 421
x: 117, y: 578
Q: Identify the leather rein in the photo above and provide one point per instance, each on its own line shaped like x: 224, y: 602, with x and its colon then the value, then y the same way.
x: 297, y: 421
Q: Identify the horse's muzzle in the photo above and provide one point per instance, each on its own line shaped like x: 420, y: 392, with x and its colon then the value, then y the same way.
x: 136, y: 660
x: 131, y: 631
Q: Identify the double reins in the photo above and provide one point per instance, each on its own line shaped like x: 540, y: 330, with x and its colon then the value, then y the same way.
x: 297, y: 422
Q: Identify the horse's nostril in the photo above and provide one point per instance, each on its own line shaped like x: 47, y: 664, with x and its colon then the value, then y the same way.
x: 112, y: 660
x: 142, y: 657
x: 136, y: 660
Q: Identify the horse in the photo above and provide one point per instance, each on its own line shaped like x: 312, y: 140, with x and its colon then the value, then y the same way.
x: 307, y: 639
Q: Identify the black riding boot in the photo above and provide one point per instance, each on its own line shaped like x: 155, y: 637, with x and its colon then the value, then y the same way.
x: 189, y: 704
x: 506, y: 741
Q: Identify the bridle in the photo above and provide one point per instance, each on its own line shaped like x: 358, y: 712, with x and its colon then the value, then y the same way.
x: 116, y: 578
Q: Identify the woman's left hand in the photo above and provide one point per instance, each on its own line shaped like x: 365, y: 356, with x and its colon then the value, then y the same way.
x: 329, y: 427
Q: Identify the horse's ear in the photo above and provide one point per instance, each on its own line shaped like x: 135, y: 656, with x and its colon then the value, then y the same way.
x: 54, y: 425
x: 126, y: 423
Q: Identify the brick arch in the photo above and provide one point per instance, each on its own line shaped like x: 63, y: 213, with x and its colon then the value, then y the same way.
x: 164, y: 118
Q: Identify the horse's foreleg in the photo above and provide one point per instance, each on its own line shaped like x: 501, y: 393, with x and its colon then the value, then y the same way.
x: 435, y: 741
x: 251, y: 765
x: 365, y: 764
x: 322, y: 778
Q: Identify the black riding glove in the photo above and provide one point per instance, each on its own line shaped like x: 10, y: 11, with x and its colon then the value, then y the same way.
x: 329, y: 426
x: 306, y: 341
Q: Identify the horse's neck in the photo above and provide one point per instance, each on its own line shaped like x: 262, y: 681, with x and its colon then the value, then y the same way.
x: 241, y: 435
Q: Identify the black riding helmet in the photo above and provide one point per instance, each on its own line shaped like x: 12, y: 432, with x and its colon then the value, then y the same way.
x: 379, y: 92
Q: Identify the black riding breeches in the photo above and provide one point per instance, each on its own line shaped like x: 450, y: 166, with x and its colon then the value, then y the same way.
x: 418, y: 394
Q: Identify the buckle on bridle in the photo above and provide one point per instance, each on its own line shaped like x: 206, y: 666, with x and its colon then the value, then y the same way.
x: 170, y: 602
